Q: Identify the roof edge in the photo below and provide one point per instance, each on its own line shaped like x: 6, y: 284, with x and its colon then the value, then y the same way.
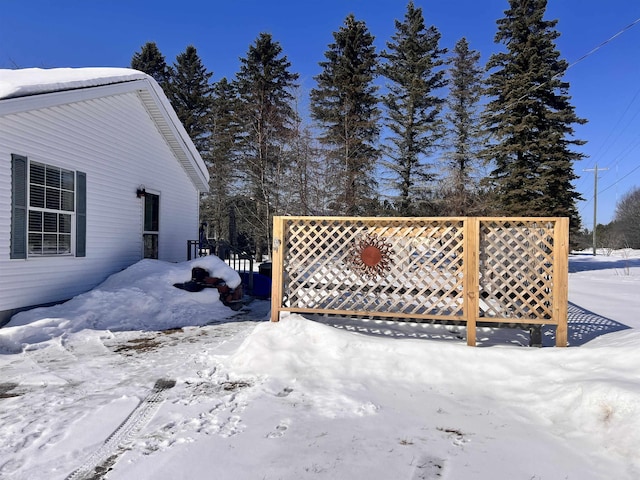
x: 39, y: 88
x: 33, y: 81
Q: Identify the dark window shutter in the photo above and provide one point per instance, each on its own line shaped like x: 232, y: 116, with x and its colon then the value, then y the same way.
x: 18, y: 207
x: 81, y: 214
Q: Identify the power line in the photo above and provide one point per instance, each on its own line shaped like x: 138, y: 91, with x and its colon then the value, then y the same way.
x: 615, y: 128
x: 594, y: 50
x: 619, y: 180
x: 628, y: 27
x: 588, y: 54
x: 559, y: 74
x: 611, y: 185
x: 591, y: 52
x: 580, y: 59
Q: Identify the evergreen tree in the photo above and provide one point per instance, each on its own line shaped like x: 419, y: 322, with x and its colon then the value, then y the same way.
x: 413, y: 108
x: 221, y: 159
x: 530, y: 118
x: 266, y: 114
x: 190, y: 96
x: 465, y: 138
x: 344, y: 103
x: 150, y: 61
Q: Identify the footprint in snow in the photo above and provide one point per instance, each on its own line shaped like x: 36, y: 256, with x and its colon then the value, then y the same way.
x: 284, y: 392
x: 279, y: 430
x: 428, y: 467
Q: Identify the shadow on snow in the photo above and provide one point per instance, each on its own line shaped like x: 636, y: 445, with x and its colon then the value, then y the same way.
x: 585, y: 263
x: 583, y: 326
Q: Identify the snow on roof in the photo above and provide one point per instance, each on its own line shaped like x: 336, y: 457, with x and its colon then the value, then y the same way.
x: 33, y: 81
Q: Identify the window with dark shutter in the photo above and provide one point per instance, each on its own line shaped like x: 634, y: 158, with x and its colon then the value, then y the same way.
x: 18, y: 207
x: 81, y: 214
x: 46, y: 201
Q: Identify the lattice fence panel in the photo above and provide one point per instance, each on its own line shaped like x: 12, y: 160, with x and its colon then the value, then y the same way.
x: 516, y: 269
x: 500, y: 270
x: 423, y: 277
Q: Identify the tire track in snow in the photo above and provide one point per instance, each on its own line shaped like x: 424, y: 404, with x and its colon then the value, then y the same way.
x: 118, y: 441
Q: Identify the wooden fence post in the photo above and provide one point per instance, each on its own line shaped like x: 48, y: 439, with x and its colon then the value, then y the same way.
x: 471, y: 281
x: 277, y: 265
x: 561, y: 279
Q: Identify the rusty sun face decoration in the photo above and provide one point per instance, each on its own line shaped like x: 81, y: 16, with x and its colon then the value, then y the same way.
x: 370, y: 256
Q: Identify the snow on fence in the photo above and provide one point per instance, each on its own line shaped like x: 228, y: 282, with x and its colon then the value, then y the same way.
x: 470, y: 270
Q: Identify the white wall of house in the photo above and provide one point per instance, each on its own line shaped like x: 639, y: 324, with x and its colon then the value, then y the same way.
x: 119, y: 147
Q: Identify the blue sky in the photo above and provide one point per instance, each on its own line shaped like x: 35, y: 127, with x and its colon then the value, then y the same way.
x: 605, y: 86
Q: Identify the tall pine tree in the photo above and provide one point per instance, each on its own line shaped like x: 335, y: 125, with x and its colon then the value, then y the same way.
x: 413, y: 106
x: 465, y: 137
x: 221, y: 159
x: 344, y: 103
x: 266, y: 114
x: 190, y: 96
x: 150, y: 61
x: 530, y: 118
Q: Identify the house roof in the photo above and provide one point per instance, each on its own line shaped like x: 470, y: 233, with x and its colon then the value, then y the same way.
x: 29, y: 86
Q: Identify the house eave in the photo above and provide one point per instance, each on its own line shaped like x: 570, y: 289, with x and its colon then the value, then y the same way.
x: 156, y: 104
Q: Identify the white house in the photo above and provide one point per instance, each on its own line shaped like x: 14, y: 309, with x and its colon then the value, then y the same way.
x: 96, y: 173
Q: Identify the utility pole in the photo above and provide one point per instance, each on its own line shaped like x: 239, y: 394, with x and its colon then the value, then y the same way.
x: 595, y: 202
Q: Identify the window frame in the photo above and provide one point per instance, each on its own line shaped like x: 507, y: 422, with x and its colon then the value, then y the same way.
x: 52, y: 208
x: 43, y: 205
x: 150, y: 225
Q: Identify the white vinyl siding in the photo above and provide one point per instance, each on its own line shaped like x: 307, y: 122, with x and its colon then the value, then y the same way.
x: 114, y: 141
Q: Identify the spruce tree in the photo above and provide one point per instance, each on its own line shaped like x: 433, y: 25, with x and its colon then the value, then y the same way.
x: 266, y: 114
x: 190, y: 96
x: 465, y: 137
x: 150, y: 61
x: 413, y: 106
x: 221, y: 159
x: 530, y: 118
x: 344, y: 103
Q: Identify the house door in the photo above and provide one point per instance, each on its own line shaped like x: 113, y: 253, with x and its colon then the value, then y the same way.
x: 151, y: 225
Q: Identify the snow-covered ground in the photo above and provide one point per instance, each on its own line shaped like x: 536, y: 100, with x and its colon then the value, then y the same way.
x: 139, y: 380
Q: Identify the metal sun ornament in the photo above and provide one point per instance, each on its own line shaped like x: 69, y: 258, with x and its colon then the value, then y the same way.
x: 371, y: 255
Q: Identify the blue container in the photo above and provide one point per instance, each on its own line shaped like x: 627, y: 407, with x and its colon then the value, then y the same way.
x: 261, y: 286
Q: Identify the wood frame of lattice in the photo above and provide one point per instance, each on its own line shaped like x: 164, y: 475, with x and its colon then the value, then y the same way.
x: 470, y: 270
